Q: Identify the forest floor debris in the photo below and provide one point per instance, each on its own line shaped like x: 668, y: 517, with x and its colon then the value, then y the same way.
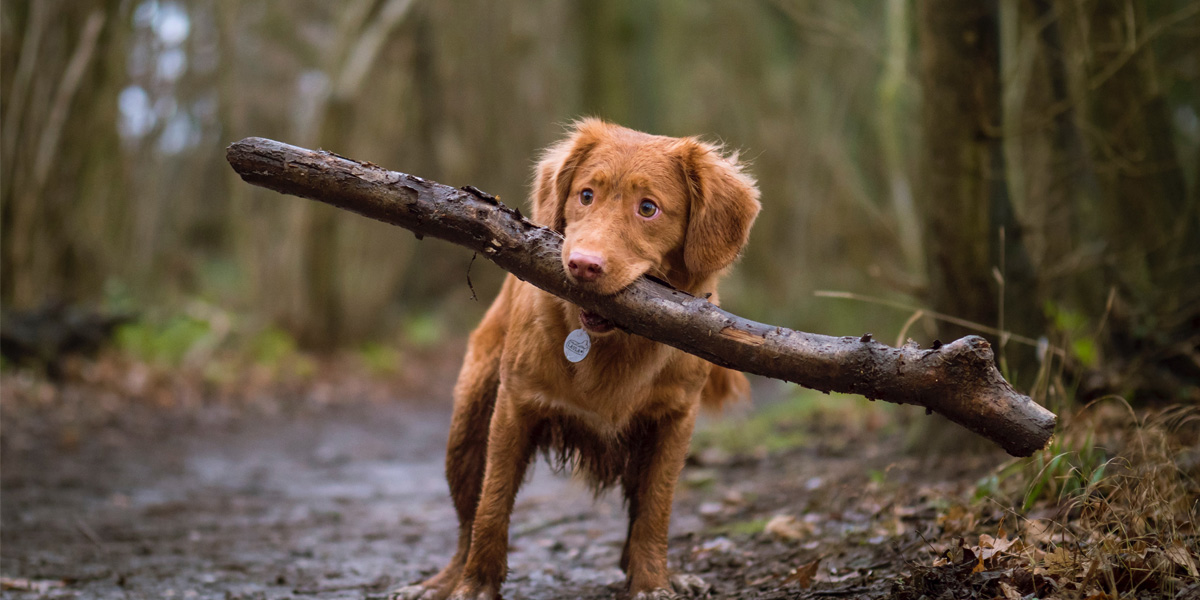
x: 129, y: 481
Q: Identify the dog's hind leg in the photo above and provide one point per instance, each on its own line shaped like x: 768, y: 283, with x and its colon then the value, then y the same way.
x: 466, y: 450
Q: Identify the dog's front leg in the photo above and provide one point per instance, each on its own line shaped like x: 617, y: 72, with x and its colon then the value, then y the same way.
x: 510, y: 448
x: 647, y: 543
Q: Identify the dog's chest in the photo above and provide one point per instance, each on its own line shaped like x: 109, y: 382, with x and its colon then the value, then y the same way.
x: 613, y: 386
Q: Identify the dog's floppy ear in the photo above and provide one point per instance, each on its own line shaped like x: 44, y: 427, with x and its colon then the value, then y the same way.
x: 724, y: 203
x: 556, y: 170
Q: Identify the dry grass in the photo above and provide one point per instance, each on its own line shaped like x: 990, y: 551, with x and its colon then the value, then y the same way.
x: 1108, y: 511
x: 1132, y: 528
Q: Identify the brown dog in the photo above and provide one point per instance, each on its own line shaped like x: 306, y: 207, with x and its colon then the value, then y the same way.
x: 629, y: 204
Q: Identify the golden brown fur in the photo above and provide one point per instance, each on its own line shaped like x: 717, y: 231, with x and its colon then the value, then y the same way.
x: 625, y: 412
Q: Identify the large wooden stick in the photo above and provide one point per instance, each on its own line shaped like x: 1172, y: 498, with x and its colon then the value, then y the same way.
x: 958, y: 380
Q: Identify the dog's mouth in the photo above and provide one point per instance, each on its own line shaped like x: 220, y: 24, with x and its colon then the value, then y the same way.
x: 594, y: 323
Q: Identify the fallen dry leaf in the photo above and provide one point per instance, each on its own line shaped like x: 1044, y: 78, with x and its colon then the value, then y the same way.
x: 989, y: 546
x: 978, y: 568
x: 1060, y: 561
x: 788, y: 527
x: 40, y: 586
x: 1180, y: 556
x: 1000, y: 544
x: 802, y: 576
x: 1039, y: 531
x: 844, y: 577
x: 1010, y: 592
x: 956, y: 519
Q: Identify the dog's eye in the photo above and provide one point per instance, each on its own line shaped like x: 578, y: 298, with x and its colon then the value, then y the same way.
x: 586, y: 196
x: 647, y: 209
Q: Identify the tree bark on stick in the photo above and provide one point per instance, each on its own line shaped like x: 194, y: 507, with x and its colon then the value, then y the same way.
x: 958, y: 380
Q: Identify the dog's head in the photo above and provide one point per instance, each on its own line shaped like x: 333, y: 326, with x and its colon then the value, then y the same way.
x: 630, y: 204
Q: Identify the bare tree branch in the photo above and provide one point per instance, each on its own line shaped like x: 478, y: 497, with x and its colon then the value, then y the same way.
x: 18, y: 94
x: 958, y: 380
x: 61, y: 107
x: 349, y: 81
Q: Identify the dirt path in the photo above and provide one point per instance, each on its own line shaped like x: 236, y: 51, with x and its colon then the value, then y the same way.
x: 349, y: 501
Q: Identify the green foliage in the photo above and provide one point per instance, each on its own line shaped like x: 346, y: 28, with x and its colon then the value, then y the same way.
x: 1072, y: 465
x: 774, y: 428
x: 786, y: 424
x: 381, y: 359
x: 424, y: 330
x: 271, y: 346
x: 216, y: 342
x: 165, y: 343
x: 1084, y: 350
x: 1077, y: 330
x: 877, y: 476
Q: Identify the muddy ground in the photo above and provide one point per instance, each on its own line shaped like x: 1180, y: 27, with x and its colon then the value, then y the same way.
x: 307, y: 498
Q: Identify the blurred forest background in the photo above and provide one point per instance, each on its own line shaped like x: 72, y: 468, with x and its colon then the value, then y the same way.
x: 1023, y: 169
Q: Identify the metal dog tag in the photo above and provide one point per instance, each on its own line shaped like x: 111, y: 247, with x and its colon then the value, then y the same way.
x: 577, y: 345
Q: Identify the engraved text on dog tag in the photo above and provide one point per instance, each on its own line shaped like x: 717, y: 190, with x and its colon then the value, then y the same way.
x: 577, y: 345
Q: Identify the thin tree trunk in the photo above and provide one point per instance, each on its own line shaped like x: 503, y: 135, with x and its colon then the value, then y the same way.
x: 891, y: 118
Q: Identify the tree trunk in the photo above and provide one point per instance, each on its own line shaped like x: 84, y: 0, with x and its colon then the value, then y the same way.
x: 978, y: 267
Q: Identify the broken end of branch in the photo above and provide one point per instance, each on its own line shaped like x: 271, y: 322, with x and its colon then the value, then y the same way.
x: 987, y: 404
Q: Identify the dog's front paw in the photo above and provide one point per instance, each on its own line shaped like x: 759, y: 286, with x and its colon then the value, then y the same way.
x: 415, y: 592
x: 466, y: 591
x: 689, y: 586
x: 659, y: 594
x: 682, y: 586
